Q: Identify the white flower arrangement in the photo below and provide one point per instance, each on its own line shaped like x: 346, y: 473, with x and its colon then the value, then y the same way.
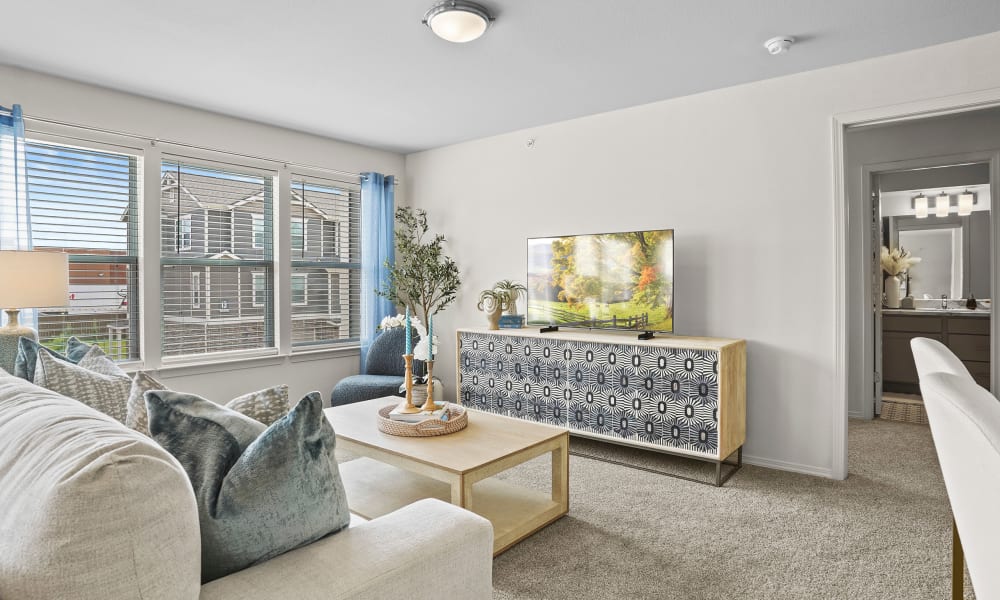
x: 420, y: 350
x: 897, y: 261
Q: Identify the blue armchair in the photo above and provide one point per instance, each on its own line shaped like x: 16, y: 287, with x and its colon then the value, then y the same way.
x: 384, y: 370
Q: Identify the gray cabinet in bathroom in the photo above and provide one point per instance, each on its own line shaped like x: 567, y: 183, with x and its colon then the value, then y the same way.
x: 967, y: 335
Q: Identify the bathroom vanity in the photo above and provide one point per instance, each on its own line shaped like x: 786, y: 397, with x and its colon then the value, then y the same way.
x: 965, y: 332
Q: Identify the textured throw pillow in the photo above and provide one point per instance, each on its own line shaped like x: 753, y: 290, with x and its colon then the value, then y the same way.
x: 261, y: 491
x: 28, y: 350
x: 107, y: 393
x: 266, y: 406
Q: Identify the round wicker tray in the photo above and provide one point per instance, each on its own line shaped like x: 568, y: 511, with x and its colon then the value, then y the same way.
x: 458, y: 418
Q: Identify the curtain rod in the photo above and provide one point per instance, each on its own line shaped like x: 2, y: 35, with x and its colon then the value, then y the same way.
x: 192, y: 146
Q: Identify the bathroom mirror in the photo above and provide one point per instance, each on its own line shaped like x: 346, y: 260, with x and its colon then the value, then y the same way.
x: 954, y: 254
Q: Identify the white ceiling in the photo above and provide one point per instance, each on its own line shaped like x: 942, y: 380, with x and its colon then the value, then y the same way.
x: 368, y: 71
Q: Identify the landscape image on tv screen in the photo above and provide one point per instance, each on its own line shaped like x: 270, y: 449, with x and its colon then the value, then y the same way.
x: 609, y: 280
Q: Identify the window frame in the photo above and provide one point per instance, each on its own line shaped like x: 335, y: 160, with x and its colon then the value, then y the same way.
x: 70, y: 137
x: 256, y: 276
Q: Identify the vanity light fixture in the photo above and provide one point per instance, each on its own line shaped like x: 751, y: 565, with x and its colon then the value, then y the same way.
x: 457, y: 20
x: 920, y: 206
x: 965, y: 201
x: 942, y: 205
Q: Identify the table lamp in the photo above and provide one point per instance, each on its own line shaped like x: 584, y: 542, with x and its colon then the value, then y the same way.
x: 28, y: 280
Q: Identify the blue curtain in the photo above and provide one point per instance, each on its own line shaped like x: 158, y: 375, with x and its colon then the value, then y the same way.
x: 377, y: 247
x: 14, y: 215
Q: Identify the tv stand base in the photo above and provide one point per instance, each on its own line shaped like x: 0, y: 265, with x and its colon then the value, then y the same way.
x: 549, y: 329
x: 646, y: 335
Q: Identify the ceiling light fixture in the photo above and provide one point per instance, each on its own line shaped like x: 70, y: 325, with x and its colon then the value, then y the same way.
x: 920, y: 206
x: 942, y: 205
x: 780, y: 44
x: 458, y: 21
x: 965, y: 202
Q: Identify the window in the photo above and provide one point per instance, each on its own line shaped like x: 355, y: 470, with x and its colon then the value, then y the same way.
x: 197, y: 299
x: 257, y: 229
x: 261, y: 288
x: 330, y: 268
x: 300, y: 289
x: 84, y: 202
x: 216, y: 298
x: 184, y: 233
x: 298, y: 236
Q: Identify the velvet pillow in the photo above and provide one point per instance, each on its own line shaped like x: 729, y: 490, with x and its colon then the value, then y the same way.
x: 266, y: 406
x: 27, y: 355
x: 261, y: 491
x: 96, y: 381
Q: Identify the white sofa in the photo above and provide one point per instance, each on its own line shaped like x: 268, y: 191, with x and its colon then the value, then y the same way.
x: 965, y: 423
x: 93, y: 510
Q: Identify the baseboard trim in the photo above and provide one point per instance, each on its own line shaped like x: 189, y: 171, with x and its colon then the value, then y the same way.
x: 851, y: 414
x: 782, y: 465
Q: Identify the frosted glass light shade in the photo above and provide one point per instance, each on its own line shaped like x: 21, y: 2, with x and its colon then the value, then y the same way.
x: 457, y: 21
x: 943, y: 205
x: 920, y: 206
x: 965, y: 202
x: 33, y: 279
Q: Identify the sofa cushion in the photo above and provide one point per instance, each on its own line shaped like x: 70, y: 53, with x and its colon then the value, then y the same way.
x: 357, y: 388
x: 27, y: 355
x: 261, y: 491
x: 94, y: 381
x: 266, y: 406
x: 91, y: 509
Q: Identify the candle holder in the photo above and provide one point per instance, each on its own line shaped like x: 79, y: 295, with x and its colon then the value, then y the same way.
x: 407, y: 406
x: 429, y: 404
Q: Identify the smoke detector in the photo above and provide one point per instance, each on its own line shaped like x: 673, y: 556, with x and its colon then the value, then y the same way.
x: 780, y: 44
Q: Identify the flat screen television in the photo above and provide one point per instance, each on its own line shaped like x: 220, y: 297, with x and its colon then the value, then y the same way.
x: 607, y: 280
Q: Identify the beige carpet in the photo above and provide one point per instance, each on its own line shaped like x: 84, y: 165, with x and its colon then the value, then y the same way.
x: 885, y: 532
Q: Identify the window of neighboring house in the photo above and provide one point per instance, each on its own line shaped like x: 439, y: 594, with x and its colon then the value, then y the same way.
x: 257, y: 229
x: 298, y: 236
x: 197, y: 292
x: 261, y: 289
x: 330, y: 239
x: 300, y: 289
x: 184, y: 232
x: 217, y: 188
x: 336, y: 205
x: 84, y: 202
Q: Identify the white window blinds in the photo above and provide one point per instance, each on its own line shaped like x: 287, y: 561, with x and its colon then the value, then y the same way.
x: 326, y: 261
x: 217, y: 267
x: 84, y: 203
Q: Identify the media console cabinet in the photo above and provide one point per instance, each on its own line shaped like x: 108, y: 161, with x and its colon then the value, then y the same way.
x: 679, y: 395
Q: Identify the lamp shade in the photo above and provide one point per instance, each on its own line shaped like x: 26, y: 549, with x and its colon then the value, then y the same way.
x: 942, y: 206
x: 33, y: 279
x: 965, y: 202
x: 920, y: 206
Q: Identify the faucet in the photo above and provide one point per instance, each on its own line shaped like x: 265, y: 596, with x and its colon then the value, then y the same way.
x: 944, y: 300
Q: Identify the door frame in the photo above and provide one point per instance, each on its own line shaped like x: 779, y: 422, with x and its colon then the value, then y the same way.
x: 871, y: 322
x: 849, y: 335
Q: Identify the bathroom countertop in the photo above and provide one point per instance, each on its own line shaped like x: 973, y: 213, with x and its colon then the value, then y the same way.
x: 938, y: 312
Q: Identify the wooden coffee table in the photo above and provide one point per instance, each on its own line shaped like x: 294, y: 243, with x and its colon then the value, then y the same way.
x: 456, y: 468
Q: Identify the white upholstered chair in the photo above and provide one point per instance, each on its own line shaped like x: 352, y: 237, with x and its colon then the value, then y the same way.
x: 965, y: 423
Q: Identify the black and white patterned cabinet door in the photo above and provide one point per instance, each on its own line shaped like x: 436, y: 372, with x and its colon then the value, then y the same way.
x: 661, y: 396
x: 518, y: 377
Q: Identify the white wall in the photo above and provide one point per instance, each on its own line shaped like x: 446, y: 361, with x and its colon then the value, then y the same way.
x: 743, y: 175
x: 48, y: 97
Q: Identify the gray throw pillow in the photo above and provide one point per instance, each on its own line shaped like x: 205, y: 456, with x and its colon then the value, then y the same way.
x: 27, y: 355
x: 266, y: 406
x: 96, y: 381
x: 261, y: 491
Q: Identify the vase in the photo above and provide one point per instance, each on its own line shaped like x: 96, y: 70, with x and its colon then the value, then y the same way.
x: 892, y: 291
x: 494, y: 317
x: 512, y: 308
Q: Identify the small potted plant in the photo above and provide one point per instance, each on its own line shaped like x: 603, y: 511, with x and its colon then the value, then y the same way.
x: 514, y: 291
x: 493, y: 302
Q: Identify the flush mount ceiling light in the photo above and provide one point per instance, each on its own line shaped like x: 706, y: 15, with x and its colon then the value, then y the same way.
x: 458, y: 21
x: 780, y: 44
